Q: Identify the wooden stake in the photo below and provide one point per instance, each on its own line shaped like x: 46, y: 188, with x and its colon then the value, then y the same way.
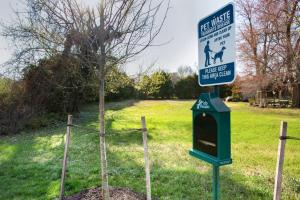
x: 63, y: 173
x: 280, y: 160
x: 146, y: 157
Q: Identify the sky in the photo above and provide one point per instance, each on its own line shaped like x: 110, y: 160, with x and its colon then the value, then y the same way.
x: 179, y: 33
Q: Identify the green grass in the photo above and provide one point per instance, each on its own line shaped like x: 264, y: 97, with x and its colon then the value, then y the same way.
x: 30, y: 163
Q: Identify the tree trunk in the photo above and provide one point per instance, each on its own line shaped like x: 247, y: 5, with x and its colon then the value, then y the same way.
x: 104, y: 174
x: 102, y: 66
x: 296, y: 95
x: 264, y: 96
x: 105, y: 189
x: 261, y: 98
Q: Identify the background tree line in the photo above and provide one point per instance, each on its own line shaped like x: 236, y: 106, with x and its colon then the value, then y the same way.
x: 49, y: 88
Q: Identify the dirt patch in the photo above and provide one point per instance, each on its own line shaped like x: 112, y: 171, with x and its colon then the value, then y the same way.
x: 115, y: 194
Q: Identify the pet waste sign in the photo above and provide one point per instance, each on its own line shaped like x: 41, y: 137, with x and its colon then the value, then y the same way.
x: 216, y: 40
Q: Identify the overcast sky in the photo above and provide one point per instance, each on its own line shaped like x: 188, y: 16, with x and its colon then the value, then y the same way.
x: 180, y: 29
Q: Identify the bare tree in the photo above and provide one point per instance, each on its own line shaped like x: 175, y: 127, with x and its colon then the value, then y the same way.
x: 184, y: 71
x: 284, y: 17
x: 255, y: 45
x: 111, y: 34
x: 269, y: 44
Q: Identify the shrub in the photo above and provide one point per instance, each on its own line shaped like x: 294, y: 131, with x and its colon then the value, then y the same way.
x: 236, y: 93
x: 118, y: 85
x: 54, y: 85
x: 161, y: 84
x: 144, y: 87
x: 188, y: 88
x: 13, y: 112
x: 158, y: 85
x: 225, y: 91
x: 44, y: 120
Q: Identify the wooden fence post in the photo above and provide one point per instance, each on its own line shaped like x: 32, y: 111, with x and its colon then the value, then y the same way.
x: 280, y: 160
x: 65, y: 160
x: 146, y: 157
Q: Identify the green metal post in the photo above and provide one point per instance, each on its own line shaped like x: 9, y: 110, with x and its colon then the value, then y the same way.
x: 217, y: 90
x: 216, y: 182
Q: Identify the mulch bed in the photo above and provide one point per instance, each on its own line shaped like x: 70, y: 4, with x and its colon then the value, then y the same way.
x: 115, y: 194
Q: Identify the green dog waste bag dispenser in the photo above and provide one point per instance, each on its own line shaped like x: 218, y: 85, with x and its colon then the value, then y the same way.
x: 211, y: 130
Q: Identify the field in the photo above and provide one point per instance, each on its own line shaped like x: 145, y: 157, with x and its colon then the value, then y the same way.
x: 30, y: 163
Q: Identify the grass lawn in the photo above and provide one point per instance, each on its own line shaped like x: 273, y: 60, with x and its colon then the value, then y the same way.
x: 30, y: 163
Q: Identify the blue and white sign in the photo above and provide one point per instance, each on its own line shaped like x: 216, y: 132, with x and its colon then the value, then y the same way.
x: 216, y: 39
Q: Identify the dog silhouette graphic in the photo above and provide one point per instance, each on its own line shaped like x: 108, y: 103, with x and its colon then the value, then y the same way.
x: 219, y: 55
